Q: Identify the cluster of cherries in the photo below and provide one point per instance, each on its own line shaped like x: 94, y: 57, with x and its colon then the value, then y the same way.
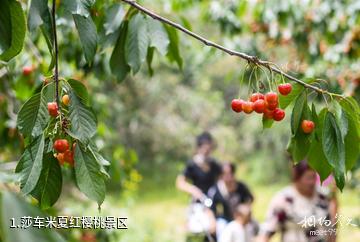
x: 267, y: 104
x: 64, y: 153
x: 61, y: 146
x: 53, y: 108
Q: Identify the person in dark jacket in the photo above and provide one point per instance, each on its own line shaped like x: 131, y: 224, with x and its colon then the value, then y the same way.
x: 226, y: 194
x: 202, y: 171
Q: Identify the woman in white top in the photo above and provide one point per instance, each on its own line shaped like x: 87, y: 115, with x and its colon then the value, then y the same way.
x: 300, y: 212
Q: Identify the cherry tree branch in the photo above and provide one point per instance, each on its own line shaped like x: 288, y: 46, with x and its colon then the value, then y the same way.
x: 251, y: 59
x: 56, y: 52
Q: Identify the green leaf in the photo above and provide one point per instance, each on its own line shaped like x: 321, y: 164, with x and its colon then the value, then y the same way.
x: 114, y: 18
x: 340, y: 117
x: 33, y: 115
x: 339, y: 179
x: 318, y: 161
x: 316, y: 156
x: 30, y: 165
x: 84, y: 25
x: 48, y: 188
x: 351, y: 104
x: 88, y: 36
x: 136, y: 43
x: 334, y: 147
x: 80, y: 90
x: 299, y: 146
x: 39, y: 15
x: 314, y: 116
x: 30, y: 114
x: 300, y: 142
x: 158, y: 36
x: 149, y: 58
x: 297, y: 113
x: 352, y: 139
x: 14, y: 206
x: 12, y: 29
x: 173, y: 50
x: 267, y: 123
x: 5, y: 26
x: 118, y: 64
x: 100, y: 159
x: 82, y: 118
x: 78, y: 7
x: 88, y: 175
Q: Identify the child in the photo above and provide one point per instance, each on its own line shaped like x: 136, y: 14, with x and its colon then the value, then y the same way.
x: 242, y: 228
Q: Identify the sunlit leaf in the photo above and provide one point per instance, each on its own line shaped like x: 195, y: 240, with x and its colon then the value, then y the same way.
x: 88, y: 35
x: 12, y: 29
x: 136, y: 43
x: 118, y: 64
x: 88, y: 175
x: 30, y: 165
x: 48, y: 188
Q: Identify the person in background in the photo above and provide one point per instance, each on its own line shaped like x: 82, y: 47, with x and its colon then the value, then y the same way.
x: 201, y: 172
x: 227, y: 193
x: 242, y: 228
x: 295, y: 211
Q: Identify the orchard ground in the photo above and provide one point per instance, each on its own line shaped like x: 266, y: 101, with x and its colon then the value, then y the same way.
x: 157, y: 211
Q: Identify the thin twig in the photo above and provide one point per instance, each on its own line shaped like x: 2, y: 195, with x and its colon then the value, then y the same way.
x: 56, y: 50
x: 249, y: 58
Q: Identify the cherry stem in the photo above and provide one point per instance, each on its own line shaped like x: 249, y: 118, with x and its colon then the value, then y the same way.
x: 242, y: 79
x: 267, y: 77
x: 249, y: 58
x: 256, y: 82
x: 250, y: 79
x: 56, y: 53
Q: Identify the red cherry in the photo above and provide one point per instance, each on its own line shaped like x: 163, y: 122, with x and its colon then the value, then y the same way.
x: 69, y: 157
x: 259, y: 106
x: 236, y: 105
x: 271, y: 97
x: 256, y: 96
x: 27, y: 70
x: 272, y: 105
x: 60, y: 157
x: 279, y: 114
x: 53, y: 109
x: 248, y: 107
x: 61, y: 145
x: 307, y: 126
x: 268, y: 114
x: 285, y: 88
